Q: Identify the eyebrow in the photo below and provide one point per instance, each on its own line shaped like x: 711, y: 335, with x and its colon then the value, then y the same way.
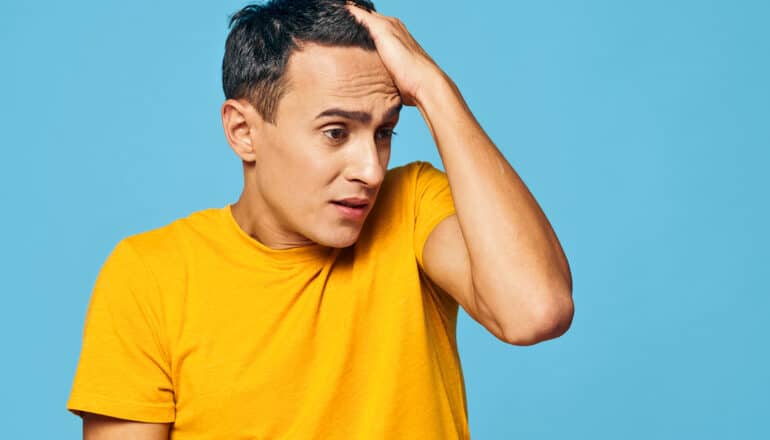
x: 362, y: 117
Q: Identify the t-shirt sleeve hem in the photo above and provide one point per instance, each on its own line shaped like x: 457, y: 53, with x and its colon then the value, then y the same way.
x: 438, y: 218
x: 140, y: 412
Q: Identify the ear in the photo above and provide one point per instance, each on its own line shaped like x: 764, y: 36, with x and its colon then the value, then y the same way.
x: 241, y: 123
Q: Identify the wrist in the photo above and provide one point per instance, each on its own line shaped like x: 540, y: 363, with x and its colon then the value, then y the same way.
x: 439, y: 94
x: 436, y: 87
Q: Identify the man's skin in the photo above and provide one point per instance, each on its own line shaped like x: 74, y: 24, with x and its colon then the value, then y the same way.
x: 498, y: 257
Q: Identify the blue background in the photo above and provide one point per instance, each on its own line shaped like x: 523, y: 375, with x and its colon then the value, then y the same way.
x: 643, y: 129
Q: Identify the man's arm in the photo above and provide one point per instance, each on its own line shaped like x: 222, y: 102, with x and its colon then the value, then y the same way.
x: 498, y: 257
x: 520, y: 280
x: 100, y: 427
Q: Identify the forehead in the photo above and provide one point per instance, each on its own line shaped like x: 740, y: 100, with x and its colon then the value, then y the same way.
x: 349, y: 77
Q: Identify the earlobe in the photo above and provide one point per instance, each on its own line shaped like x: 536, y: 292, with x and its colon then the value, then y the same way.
x: 239, y: 123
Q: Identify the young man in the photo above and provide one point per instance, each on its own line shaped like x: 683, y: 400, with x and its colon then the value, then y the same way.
x: 305, y: 309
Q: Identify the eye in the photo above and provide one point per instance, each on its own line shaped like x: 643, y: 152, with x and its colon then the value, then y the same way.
x: 335, y: 134
x: 385, y: 133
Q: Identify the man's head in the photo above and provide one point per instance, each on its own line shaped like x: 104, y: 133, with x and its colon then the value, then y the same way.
x: 310, y: 110
x: 262, y: 38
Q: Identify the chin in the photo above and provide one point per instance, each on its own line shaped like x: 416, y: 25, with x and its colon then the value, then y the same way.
x: 342, y: 239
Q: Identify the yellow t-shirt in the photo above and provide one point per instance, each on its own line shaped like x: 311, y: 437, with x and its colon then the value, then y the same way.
x: 199, y: 324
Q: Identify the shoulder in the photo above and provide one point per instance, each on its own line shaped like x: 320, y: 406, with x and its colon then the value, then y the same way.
x: 165, y: 249
x: 404, y: 185
x: 169, y: 237
x: 404, y: 179
x: 395, y: 193
x: 407, y: 171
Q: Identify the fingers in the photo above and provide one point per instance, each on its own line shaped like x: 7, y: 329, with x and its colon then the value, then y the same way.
x: 376, y: 22
x: 365, y: 16
x: 362, y: 15
x: 355, y: 8
x: 357, y: 11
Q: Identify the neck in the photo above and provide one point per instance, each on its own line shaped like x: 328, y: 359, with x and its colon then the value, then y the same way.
x: 260, y: 221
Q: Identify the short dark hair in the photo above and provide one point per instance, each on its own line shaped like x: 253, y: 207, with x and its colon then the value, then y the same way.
x: 262, y: 37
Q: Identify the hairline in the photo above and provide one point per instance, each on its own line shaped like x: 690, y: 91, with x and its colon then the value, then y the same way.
x: 282, y: 85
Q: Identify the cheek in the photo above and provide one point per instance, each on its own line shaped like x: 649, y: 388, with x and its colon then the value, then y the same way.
x: 299, y: 171
x: 281, y: 160
x: 303, y: 181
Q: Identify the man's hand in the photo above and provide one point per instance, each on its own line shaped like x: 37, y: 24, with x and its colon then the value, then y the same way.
x: 408, y: 64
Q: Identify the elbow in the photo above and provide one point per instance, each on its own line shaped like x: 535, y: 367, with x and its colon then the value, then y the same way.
x: 549, y: 321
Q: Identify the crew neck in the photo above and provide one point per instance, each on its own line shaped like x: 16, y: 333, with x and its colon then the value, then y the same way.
x: 258, y: 249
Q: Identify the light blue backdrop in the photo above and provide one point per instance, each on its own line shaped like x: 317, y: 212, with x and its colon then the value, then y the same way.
x: 643, y: 129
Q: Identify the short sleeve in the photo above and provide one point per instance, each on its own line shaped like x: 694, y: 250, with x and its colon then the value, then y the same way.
x: 123, y: 369
x: 433, y: 203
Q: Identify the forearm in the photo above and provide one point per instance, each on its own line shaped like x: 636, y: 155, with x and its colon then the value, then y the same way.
x: 519, y: 269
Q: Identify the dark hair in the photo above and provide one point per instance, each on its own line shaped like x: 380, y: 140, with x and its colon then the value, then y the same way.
x: 262, y: 37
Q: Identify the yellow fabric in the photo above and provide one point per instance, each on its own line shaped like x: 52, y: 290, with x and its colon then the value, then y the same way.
x: 198, y: 324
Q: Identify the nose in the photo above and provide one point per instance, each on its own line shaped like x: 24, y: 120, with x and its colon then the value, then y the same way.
x: 367, y: 163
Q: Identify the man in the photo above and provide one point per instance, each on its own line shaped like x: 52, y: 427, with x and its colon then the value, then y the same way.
x: 305, y: 310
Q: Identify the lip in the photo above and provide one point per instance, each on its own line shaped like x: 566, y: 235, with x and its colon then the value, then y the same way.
x: 355, y: 200
x: 349, y: 213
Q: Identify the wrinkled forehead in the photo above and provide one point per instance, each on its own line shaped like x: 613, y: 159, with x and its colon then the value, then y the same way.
x: 346, y: 77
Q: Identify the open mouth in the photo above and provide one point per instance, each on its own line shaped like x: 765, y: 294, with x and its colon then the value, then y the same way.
x: 351, y: 211
x: 350, y: 205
